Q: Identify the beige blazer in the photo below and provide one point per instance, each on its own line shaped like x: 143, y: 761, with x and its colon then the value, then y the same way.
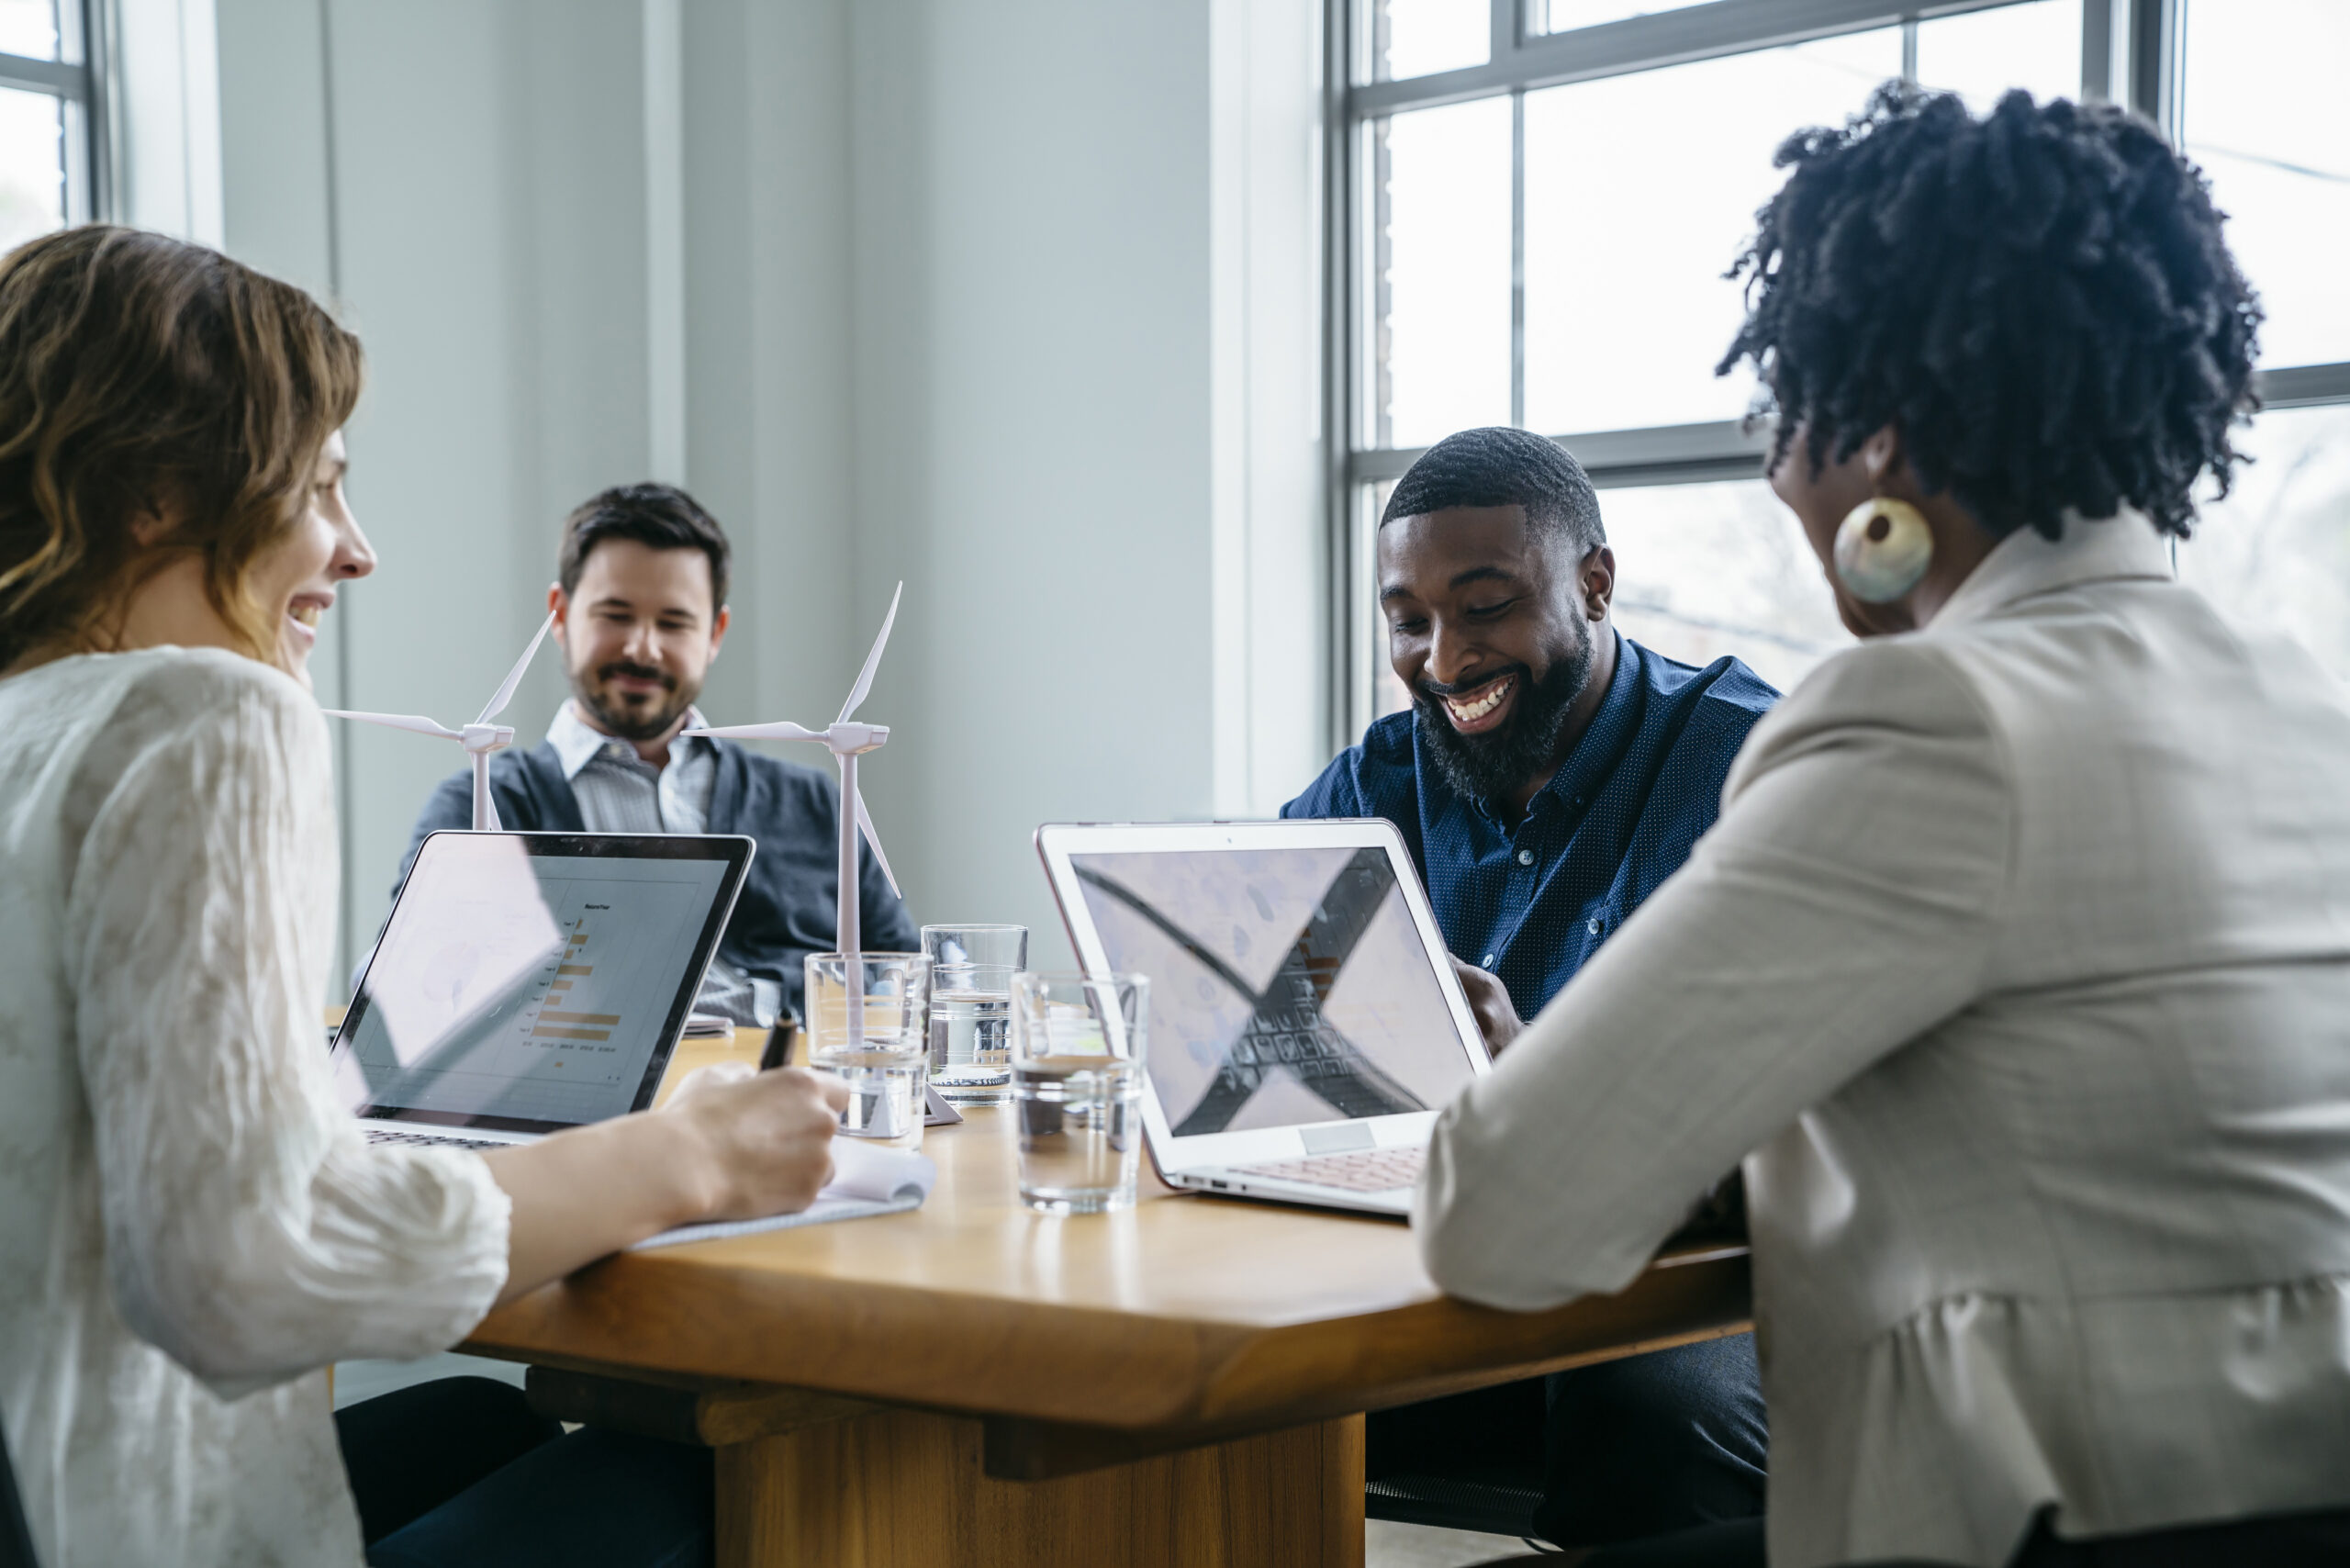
x: 2020, y: 959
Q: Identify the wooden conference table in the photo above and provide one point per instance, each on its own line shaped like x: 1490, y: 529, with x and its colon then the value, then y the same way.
x: 972, y: 1384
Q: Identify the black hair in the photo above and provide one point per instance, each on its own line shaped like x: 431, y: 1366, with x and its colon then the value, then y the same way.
x: 2039, y: 301
x: 1500, y: 466
x: 660, y: 516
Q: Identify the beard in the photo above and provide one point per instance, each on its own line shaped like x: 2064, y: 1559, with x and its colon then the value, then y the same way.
x: 1490, y: 765
x: 641, y: 720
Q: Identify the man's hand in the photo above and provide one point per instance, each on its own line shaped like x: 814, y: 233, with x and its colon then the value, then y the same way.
x: 1497, y: 1017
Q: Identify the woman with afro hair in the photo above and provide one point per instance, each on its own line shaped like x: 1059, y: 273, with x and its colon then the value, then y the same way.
x: 2017, y: 970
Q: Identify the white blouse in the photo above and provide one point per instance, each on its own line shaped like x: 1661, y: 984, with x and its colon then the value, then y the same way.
x: 191, y: 1226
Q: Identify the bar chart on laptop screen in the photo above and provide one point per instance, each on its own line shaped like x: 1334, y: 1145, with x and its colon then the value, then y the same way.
x: 561, y: 1014
x: 1288, y: 986
x: 535, y: 989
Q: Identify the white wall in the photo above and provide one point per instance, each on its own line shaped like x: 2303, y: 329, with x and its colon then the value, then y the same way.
x: 1014, y: 302
x: 769, y: 365
x: 163, y: 94
x: 1272, y: 635
x: 478, y: 205
x: 1087, y: 423
x: 1033, y: 427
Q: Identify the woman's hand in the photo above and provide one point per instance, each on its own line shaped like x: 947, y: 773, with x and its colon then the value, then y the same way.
x: 732, y: 1144
x: 1496, y: 1015
x: 765, y: 1136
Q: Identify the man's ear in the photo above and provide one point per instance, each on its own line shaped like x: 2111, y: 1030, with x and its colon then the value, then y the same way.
x: 717, y: 630
x: 559, y: 604
x: 1596, y: 579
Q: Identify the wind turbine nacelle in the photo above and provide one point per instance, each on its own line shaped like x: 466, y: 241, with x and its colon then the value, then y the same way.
x: 853, y: 738
x: 486, y: 737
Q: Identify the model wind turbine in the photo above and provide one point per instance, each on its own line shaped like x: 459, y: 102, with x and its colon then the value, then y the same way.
x: 479, y: 738
x: 847, y: 741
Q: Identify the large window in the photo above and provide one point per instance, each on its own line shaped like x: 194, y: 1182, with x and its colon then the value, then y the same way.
x: 48, y: 143
x: 1540, y: 198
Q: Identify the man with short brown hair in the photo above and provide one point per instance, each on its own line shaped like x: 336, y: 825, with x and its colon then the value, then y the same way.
x: 639, y: 608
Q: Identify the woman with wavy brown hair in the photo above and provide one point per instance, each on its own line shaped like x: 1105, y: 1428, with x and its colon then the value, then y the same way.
x: 191, y: 1228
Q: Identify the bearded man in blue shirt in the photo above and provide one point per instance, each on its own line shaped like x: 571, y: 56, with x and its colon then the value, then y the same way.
x: 1548, y: 775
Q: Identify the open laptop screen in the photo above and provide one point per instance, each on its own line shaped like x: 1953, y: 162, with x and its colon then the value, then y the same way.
x: 1289, y: 986
x: 527, y: 982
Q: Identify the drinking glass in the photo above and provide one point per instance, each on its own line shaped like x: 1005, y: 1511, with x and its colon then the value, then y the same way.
x: 1005, y: 944
x: 970, y: 1008
x: 867, y: 1023
x: 1077, y: 1059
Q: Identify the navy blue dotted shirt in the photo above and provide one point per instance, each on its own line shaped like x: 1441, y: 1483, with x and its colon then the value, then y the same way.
x: 1618, y: 818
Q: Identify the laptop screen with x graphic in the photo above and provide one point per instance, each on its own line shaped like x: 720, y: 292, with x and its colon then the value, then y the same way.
x: 1288, y: 985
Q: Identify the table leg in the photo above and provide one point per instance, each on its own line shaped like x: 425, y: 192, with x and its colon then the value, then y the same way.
x: 908, y: 1489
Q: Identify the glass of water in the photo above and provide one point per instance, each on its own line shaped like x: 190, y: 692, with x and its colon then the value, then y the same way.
x: 1077, y: 1058
x: 867, y: 1023
x: 970, y: 1008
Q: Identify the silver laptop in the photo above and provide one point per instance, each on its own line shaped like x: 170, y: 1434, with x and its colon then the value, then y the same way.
x: 528, y: 982
x: 1305, y: 1025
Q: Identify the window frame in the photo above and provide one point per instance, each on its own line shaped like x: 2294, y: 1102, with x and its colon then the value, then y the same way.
x: 2129, y: 52
x: 76, y: 80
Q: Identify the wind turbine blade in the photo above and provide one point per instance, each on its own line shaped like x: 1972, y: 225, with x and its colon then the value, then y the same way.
x: 784, y: 732
x: 416, y: 721
x: 873, y: 837
x: 872, y: 660
x: 514, y: 676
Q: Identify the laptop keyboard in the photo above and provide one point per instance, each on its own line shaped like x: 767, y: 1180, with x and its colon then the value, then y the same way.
x: 1362, y: 1170
x: 420, y: 1140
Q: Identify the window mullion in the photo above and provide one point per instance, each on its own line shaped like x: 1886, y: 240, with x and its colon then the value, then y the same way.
x: 2097, y: 47
x: 2157, y: 74
x: 57, y: 78
x: 102, y: 185
x: 1675, y: 36
x: 1517, y: 257
x: 2302, y: 385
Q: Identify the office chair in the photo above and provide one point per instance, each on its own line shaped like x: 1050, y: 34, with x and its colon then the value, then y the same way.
x: 1489, y: 1500
x: 15, y: 1535
x: 1472, y: 1461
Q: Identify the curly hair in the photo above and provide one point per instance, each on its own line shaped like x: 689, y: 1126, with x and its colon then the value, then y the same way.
x: 1500, y: 466
x: 2039, y: 301
x: 140, y: 376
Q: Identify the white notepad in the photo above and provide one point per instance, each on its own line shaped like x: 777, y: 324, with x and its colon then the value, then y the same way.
x: 866, y: 1182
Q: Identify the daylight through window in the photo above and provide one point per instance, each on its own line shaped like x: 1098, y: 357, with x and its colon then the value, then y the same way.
x: 47, y: 153
x: 1543, y: 198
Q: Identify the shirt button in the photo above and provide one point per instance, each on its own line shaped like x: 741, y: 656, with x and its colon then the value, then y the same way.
x: 1592, y: 926
x: 1525, y: 857
x: 1487, y: 962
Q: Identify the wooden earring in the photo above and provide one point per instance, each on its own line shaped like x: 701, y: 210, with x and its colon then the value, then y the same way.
x: 1883, y: 548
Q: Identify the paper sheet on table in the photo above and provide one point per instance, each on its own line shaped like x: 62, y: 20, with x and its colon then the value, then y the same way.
x: 866, y: 1182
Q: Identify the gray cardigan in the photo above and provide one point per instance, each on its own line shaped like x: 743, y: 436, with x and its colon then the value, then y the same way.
x: 787, y: 905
